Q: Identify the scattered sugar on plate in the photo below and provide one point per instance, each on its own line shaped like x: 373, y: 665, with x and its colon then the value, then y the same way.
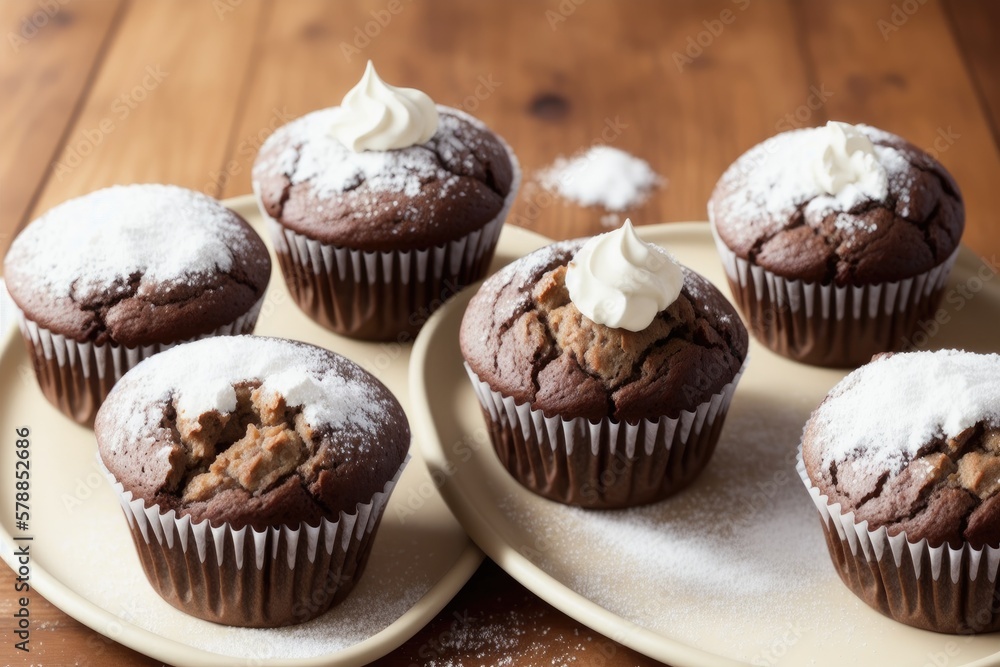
x: 742, y: 541
x: 602, y: 176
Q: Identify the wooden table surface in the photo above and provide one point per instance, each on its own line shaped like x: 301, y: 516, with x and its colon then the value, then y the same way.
x: 184, y: 91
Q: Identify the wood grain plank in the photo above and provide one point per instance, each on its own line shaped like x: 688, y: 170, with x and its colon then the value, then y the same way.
x: 904, y: 73
x: 975, y: 25
x: 48, y: 57
x: 552, y: 82
x: 57, y: 639
x: 162, y: 107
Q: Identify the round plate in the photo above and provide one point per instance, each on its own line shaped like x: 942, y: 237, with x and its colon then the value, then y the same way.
x: 734, y: 570
x: 83, y: 560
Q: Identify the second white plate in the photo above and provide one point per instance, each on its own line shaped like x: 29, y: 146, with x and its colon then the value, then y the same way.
x: 734, y: 570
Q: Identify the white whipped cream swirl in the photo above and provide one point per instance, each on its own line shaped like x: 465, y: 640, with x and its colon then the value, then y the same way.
x: 847, y: 159
x: 375, y: 116
x: 618, y: 280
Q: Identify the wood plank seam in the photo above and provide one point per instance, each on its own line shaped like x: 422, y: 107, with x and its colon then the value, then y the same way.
x: 808, y: 63
x: 970, y: 71
x: 71, y: 120
x: 243, y: 96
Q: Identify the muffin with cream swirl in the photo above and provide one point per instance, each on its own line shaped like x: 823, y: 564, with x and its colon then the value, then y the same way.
x: 837, y: 240
x: 604, y: 368
x: 382, y: 208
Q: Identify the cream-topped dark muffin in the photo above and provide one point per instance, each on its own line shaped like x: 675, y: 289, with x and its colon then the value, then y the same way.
x: 827, y: 232
x: 523, y: 335
x: 113, y: 276
x: 413, y: 198
x: 910, y: 444
x: 375, y: 225
x: 253, y: 433
x: 528, y: 343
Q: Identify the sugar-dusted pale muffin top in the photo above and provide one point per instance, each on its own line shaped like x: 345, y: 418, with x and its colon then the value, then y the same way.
x: 768, y: 209
x: 252, y: 431
x: 415, y: 197
x: 524, y: 337
x: 137, y: 264
x: 911, y: 442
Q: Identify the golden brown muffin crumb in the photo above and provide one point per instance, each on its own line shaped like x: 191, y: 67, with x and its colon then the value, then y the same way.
x: 261, y: 442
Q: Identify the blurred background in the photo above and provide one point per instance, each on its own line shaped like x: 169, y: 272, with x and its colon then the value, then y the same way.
x: 184, y: 91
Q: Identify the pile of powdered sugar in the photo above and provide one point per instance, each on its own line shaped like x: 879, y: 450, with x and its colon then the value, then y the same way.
x: 884, y: 413
x: 601, y: 176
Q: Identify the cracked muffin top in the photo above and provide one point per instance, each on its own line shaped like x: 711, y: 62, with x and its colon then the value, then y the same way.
x: 136, y: 265
x: 768, y: 210
x: 525, y: 338
x: 252, y: 431
x: 911, y: 442
x: 416, y: 197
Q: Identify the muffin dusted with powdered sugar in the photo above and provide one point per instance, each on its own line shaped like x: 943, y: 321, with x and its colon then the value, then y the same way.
x: 383, y: 207
x: 836, y: 240
x: 903, y: 460
x: 248, y: 450
x: 109, y: 278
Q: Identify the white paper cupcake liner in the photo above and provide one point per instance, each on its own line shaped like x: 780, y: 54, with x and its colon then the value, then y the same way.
x: 831, y: 325
x: 380, y: 295
x: 77, y: 376
x: 272, y: 577
x: 603, y: 464
x: 934, y: 588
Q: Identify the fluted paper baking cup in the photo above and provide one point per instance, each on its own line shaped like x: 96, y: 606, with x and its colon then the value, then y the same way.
x: 76, y: 376
x: 939, y: 588
x: 269, y: 578
x: 386, y: 295
x: 831, y: 325
x: 604, y: 464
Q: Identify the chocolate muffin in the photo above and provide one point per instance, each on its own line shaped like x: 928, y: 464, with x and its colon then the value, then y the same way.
x: 836, y: 240
x: 903, y: 461
x: 371, y: 240
x: 595, y: 415
x: 107, y: 279
x: 254, y: 472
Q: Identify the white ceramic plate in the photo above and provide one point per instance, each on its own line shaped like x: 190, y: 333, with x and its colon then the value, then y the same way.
x: 734, y: 570
x: 83, y: 561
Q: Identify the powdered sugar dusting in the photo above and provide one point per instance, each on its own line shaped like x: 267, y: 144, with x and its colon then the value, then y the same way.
x: 742, y: 541
x: 312, y: 155
x: 602, y: 176
x: 885, y: 412
x: 774, y: 178
x: 96, y: 245
x: 199, y: 377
